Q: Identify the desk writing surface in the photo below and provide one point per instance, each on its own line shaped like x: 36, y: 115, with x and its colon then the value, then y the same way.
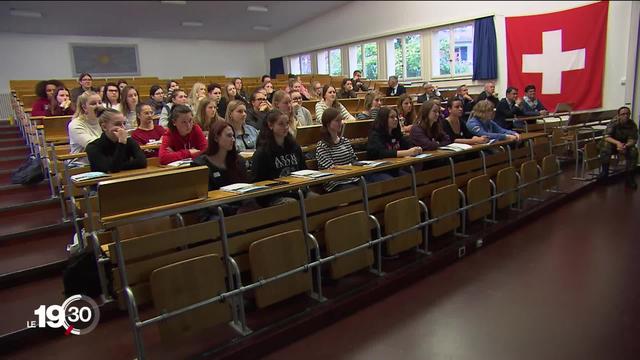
x: 123, y: 174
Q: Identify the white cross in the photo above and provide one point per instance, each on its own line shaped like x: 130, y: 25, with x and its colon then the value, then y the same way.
x: 553, y: 61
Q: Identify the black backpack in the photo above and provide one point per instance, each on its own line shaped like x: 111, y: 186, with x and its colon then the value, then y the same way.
x: 81, y: 275
x: 29, y: 173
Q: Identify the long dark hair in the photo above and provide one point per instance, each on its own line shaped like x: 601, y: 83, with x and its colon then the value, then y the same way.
x: 381, y: 123
x: 105, y: 99
x: 175, y: 112
x: 54, y: 106
x: 266, y: 137
x: 435, y: 130
x: 327, y: 117
x: 231, y: 160
x: 336, y: 103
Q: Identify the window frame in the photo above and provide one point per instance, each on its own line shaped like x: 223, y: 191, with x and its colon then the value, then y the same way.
x: 452, y: 47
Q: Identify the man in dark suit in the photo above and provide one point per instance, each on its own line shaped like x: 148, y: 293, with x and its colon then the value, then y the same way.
x: 508, y: 108
x: 394, y: 88
x: 430, y: 92
x: 489, y: 94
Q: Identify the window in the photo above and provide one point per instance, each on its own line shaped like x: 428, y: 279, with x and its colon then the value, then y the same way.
x: 452, y: 51
x: 367, y: 52
x: 355, y: 58
x: 335, y: 62
x: 323, y: 62
x: 294, y: 65
x: 300, y: 64
x: 305, y: 64
x: 404, y: 57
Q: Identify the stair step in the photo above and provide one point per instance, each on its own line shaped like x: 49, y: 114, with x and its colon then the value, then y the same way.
x: 14, y: 151
x: 21, y: 255
x: 19, y: 302
x: 23, y: 222
x: 12, y: 142
x: 10, y: 135
x: 11, y: 163
x: 9, y: 131
x: 17, y: 195
x: 4, y: 125
x: 5, y: 179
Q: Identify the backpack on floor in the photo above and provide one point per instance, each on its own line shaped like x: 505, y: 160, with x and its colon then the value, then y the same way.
x: 81, y: 275
x: 30, y: 172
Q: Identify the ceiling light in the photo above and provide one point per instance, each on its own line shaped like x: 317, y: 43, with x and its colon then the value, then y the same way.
x: 192, y: 23
x: 261, y: 28
x: 257, y: 8
x: 174, y: 2
x: 25, y: 13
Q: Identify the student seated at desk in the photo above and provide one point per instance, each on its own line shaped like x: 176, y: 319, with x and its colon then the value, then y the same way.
x: 386, y: 141
x: 346, y: 90
x: 427, y: 132
x: 61, y: 104
x: 278, y: 155
x: 84, y: 127
x: 329, y: 100
x: 372, y: 103
x: 334, y: 150
x: 207, y: 114
x: 184, y: 139
x: 45, y: 91
x: 302, y: 115
x: 128, y: 104
x: 226, y: 167
x: 406, y: 112
x: 456, y: 128
x: 481, y: 123
x: 156, y: 99
x: 147, y: 130
x: 178, y: 97
x: 111, y: 96
x: 114, y: 150
x: 246, y: 135
x: 282, y: 102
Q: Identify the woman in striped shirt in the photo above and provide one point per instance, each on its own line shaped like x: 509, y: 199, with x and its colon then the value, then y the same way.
x: 334, y: 150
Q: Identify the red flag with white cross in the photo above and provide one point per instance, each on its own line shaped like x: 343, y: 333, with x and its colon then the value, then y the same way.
x: 561, y: 53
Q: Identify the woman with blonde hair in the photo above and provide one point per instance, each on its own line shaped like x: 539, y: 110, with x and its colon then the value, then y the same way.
x: 282, y: 102
x: 84, y: 127
x: 481, y: 123
x: 207, y: 114
x: 246, y: 135
x: 198, y: 92
x: 372, y: 104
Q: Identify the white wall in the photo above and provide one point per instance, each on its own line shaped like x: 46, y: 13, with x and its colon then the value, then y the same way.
x: 360, y: 20
x: 42, y: 57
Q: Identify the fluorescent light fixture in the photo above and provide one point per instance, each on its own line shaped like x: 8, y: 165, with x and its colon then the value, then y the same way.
x: 174, y: 2
x: 257, y: 8
x: 192, y: 23
x: 261, y: 28
x: 25, y: 13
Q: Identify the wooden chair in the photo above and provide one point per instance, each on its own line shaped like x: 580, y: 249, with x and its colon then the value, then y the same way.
x: 274, y: 255
x: 356, y: 129
x: 185, y: 283
x: 308, y: 135
x: 507, y: 182
x: 529, y: 175
x: 551, y: 169
x: 445, y: 200
x: 346, y: 232
x: 399, y: 215
x: 143, y: 254
x: 478, y: 191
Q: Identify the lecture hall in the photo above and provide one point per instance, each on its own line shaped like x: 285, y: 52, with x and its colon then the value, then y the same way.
x: 319, y: 180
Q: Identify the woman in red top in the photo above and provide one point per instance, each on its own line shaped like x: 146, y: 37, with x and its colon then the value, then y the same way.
x: 147, y: 131
x: 44, y: 90
x: 61, y: 104
x: 184, y: 139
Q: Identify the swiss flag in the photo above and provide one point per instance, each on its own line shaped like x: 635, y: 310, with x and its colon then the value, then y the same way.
x: 561, y: 53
